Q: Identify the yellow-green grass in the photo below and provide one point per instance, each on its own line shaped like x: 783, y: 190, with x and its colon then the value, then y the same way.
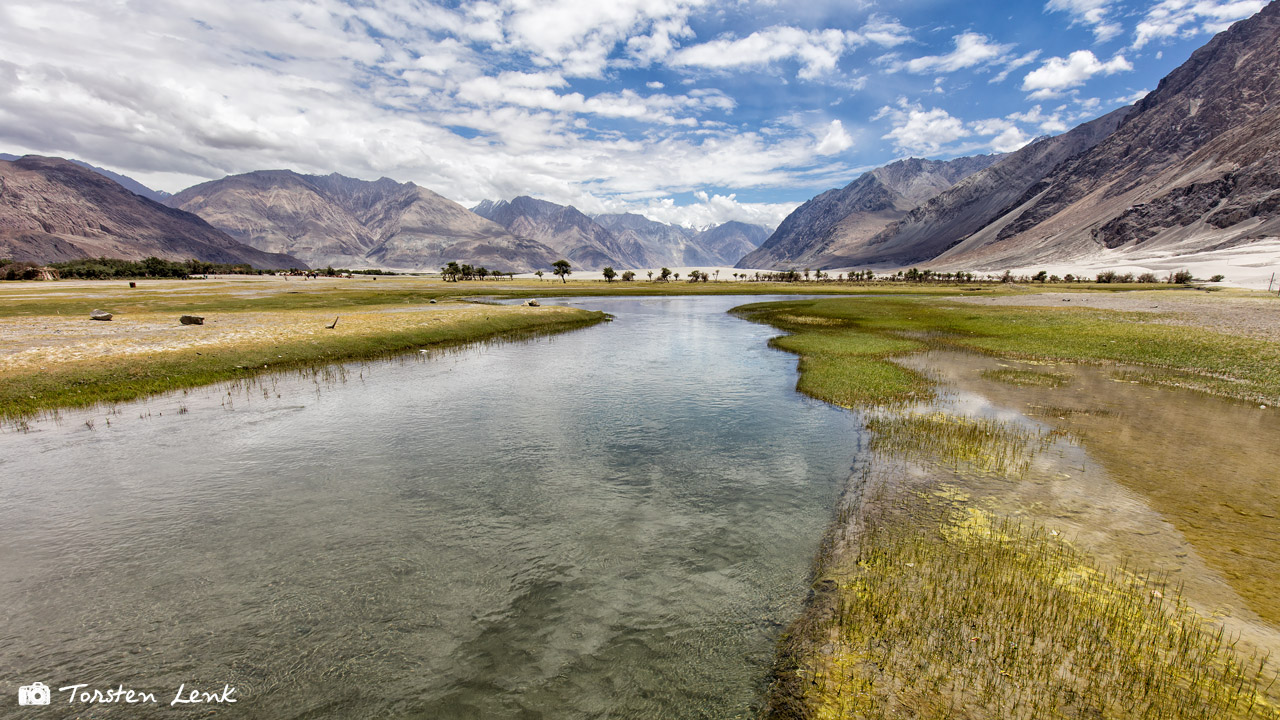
x: 945, y: 612
x: 983, y: 445
x: 149, y: 356
x: 1227, y: 365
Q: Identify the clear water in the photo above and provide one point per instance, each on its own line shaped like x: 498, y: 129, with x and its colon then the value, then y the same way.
x: 614, y: 522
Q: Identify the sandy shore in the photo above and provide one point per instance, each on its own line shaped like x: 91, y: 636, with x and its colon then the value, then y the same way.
x: 1239, y: 314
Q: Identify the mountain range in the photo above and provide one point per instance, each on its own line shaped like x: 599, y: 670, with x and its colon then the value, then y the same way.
x: 54, y: 210
x: 623, y: 240
x: 339, y: 221
x: 1193, y: 166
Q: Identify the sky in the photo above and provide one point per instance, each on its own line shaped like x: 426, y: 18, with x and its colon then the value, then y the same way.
x: 687, y: 111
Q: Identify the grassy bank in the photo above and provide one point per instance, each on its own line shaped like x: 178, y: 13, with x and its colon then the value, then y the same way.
x: 146, y: 353
x: 947, y: 612
x: 845, y: 345
x: 928, y: 604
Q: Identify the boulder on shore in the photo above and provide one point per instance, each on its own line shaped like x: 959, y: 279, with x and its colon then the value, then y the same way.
x: 533, y: 303
x: 100, y: 315
x: 191, y: 320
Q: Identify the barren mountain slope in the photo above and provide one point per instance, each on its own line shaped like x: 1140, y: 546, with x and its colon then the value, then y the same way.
x: 53, y: 210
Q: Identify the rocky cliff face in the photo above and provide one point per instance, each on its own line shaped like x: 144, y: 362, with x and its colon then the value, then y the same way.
x: 838, y: 223
x: 676, y: 246
x: 54, y: 210
x: 344, y: 222
x: 1195, y: 164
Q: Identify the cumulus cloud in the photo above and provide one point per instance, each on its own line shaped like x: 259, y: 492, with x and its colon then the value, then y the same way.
x: 817, y: 51
x: 970, y: 49
x: 836, y: 139
x: 1057, y: 74
x: 919, y: 131
x: 1093, y: 13
x: 715, y: 209
x: 1187, y: 18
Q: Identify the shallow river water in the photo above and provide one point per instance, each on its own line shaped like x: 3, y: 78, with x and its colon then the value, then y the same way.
x: 613, y: 522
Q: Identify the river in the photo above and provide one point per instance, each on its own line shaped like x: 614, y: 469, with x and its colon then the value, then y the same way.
x: 614, y: 522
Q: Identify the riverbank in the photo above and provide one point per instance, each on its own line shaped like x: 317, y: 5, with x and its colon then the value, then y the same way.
x: 1047, y: 523
x: 54, y: 357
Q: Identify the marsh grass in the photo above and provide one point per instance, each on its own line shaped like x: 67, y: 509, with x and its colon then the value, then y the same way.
x: 1028, y: 378
x: 947, y: 612
x: 984, y: 445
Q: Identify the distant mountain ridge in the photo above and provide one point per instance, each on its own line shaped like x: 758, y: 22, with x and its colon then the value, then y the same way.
x: 340, y: 221
x: 620, y: 240
x: 125, y: 181
x: 54, y: 210
x: 837, y: 222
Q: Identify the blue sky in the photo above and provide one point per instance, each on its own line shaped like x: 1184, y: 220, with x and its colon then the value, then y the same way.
x: 686, y: 111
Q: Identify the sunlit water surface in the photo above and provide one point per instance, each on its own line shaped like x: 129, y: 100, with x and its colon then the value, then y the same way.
x: 613, y: 522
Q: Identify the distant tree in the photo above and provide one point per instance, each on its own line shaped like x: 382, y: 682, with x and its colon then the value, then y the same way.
x: 1147, y: 277
x: 665, y: 274
x: 539, y: 274
x: 1069, y: 277
x: 1180, y: 277
x: 675, y: 276
x: 650, y: 276
x: 1041, y: 276
x: 451, y: 272
x: 561, y: 268
x: 718, y: 275
x: 694, y: 275
x: 628, y: 276
x: 482, y: 272
x: 609, y: 274
x: 1217, y: 278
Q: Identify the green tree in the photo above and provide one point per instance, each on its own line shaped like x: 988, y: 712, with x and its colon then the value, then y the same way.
x: 539, y: 274
x: 609, y: 274
x: 650, y: 276
x: 628, y: 276
x: 561, y: 268
x: 664, y: 274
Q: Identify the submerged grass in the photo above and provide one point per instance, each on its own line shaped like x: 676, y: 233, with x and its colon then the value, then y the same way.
x: 1034, y: 378
x: 984, y: 445
x: 957, y: 613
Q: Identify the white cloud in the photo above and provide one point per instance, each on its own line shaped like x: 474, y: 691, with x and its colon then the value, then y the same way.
x: 1049, y: 124
x: 970, y: 49
x: 835, y: 140
x: 715, y: 209
x: 1059, y: 74
x: 817, y: 51
x: 885, y: 32
x: 1014, y: 64
x: 919, y: 131
x: 1186, y: 18
x: 1093, y: 13
x: 1131, y: 98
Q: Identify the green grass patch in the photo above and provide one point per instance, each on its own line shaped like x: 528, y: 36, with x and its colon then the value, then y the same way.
x: 91, y: 383
x: 1227, y: 365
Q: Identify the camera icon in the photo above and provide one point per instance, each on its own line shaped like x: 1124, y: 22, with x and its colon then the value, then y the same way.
x: 33, y: 694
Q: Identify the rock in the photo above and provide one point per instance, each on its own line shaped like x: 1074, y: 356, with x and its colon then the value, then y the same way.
x: 191, y: 320
x: 100, y: 315
x: 532, y: 303
x: 433, y: 302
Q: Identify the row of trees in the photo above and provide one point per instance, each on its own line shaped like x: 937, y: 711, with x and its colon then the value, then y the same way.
x: 453, y: 272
